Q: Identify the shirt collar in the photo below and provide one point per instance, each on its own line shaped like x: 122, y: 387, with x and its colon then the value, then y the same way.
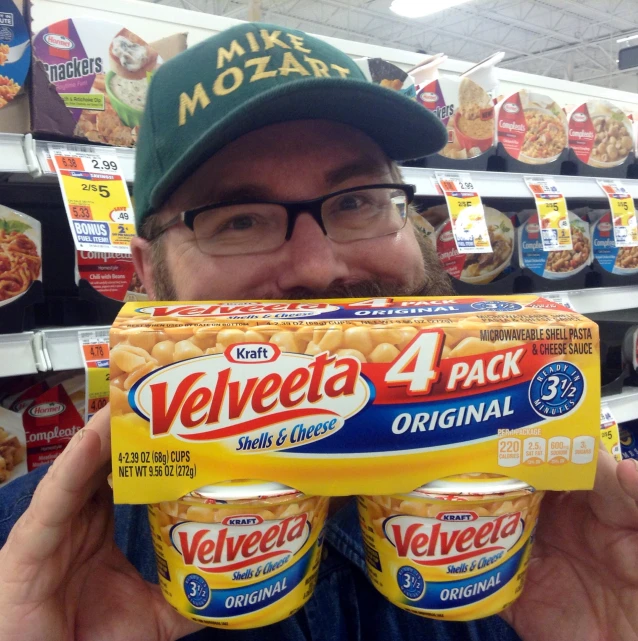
x: 344, y: 534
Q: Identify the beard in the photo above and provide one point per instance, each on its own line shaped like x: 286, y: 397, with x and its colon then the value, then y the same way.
x: 435, y: 282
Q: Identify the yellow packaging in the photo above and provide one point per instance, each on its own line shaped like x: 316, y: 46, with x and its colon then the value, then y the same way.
x: 355, y: 396
x: 455, y: 550
x: 238, y: 556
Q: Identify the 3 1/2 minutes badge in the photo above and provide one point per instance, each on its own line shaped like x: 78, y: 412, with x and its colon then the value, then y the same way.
x: 15, y: 52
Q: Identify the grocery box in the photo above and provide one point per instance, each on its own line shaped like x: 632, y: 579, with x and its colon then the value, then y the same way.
x: 15, y: 59
x: 341, y: 397
x: 90, y: 79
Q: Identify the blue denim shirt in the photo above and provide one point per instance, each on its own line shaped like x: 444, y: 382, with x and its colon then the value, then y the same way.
x: 344, y: 606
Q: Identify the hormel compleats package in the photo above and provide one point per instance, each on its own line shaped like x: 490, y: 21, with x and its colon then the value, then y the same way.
x: 111, y: 274
x: 343, y: 397
x: 600, y: 134
x: 50, y: 419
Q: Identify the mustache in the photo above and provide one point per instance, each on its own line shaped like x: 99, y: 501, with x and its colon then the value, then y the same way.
x: 374, y: 288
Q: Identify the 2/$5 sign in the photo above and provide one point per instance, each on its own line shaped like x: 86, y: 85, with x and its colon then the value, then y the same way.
x: 296, y: 59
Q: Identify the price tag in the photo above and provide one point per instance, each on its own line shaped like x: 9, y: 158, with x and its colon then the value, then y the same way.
x: 553, y: 217
x: 466, y: 213
x: 623, y: 213
x: 609, y: 432
x: 95, y: 196
x: 95, y: 350
x: 562, y: 298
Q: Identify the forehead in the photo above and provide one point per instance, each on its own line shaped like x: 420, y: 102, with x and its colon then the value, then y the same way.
x: 299, y: 155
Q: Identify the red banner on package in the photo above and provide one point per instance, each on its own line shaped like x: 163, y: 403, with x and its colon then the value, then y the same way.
x: 49, y: 424
x: 582, y: 134
x: 511, y: 126
x: 109, y: 274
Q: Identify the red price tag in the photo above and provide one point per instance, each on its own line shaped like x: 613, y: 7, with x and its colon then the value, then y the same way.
x: 81, y: 212
x: 70, y: 162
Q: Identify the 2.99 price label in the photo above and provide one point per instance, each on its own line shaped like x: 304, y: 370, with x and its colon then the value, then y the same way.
x: 466, y: 213
x: 96, y: 197
x: 623, y: 213
x: 553, y: 216
x: 95, y: 351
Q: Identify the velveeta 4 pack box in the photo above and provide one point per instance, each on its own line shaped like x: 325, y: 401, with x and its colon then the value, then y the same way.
x: 342, y: 397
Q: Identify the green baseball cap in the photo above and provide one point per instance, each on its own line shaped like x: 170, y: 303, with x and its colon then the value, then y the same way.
x: 253, y: 75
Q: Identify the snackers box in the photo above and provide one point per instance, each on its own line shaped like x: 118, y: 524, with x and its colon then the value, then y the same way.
x: 91, y: 77
x: 342, y: 397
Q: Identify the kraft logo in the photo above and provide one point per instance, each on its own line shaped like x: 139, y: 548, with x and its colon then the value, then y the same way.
x: 580, y: 117
x: 218, y: 548
x: 212, y: 397
x: 58, y: 41
x: 511, y: 108
x: 431, y: 542
x: 252, y: 353
x: 45, y: 410
x: 457, y: 516
x: 243, y: 519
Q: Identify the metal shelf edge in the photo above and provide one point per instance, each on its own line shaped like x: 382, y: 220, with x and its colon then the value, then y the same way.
x: 63, y: 348
x: 624, y: 406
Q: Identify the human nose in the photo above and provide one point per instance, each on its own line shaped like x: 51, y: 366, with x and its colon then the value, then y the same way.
x: 313, y: 261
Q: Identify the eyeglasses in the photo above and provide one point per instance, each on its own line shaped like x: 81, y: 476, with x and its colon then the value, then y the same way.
x: 254, y: 227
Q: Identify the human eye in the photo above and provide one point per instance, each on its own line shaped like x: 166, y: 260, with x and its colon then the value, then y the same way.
x: 361, y: 203
x: 236, y: 221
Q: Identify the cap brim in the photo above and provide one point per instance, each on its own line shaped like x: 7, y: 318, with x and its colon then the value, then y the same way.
x: 400, y: 126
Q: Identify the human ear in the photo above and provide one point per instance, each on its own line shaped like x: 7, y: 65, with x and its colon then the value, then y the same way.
x: 141, y: 251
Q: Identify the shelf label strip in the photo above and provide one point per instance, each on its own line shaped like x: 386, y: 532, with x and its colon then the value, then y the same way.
x: 609, y: 433
x: 553, y: 217
x: 466, y: 213
x: 94, y: 345
x: 623, y: 213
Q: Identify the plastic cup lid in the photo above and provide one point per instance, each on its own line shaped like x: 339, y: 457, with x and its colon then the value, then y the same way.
x: 244, y: 489
x: 473, y: 485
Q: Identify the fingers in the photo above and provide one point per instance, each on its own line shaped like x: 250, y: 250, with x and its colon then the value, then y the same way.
x: 62, y: 493
x: 615, y: 492
x: 627, y: 475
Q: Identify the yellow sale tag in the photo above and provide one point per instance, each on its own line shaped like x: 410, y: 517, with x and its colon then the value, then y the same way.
x: 623, y: 213
x: 466, y: 213
x: 95, y: 351
x: 609, y: 433
x: 95, y: 196
x: 553, y: 217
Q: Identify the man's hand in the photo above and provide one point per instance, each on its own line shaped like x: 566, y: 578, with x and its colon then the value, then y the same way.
x: 63, y: 578
x: 582, y: 582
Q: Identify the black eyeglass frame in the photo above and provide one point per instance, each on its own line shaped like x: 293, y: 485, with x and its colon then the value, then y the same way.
x: 294, y: 208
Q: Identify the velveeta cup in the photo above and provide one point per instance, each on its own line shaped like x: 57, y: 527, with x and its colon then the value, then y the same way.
x: 456, y: 549
x: 242, y: 555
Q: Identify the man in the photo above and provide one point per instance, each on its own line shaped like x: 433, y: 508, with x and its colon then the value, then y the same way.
x: 265, y: 114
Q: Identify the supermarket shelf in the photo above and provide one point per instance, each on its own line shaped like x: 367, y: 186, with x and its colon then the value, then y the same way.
x: 61, y: 347
x: 624, y: 406
x: 598, y: 299
x: 506, y: 185
x: 17, y: 355
x: 12, y: 156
